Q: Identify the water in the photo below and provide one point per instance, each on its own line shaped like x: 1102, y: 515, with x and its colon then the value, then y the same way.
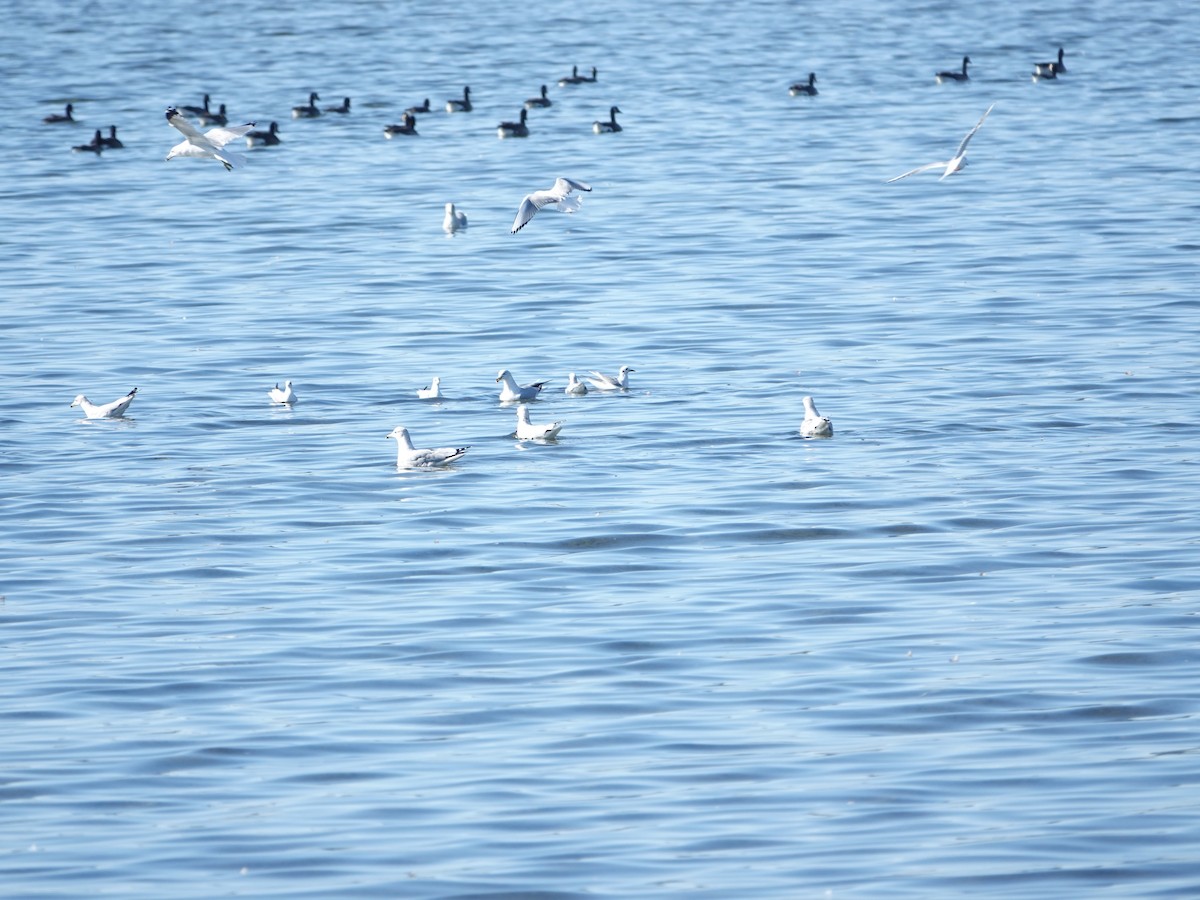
x: 680, y: 652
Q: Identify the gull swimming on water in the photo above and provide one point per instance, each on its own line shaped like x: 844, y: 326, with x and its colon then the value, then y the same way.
x: 527, y: 431
x: 114, y: 410
x: 513, y: 391
x: 574, y: 385
x: 952, y: 165
x: 410, y: 457
x: 603, y: 382
x: 559, y: 196
x: 210, y: 145
x: 454, y: 220
x: 284, y: 394
x: 433, y: 392
x: 814, y: 424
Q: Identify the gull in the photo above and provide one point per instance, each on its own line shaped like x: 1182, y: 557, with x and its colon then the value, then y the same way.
x: 955, y: 76
x: 513, y: 391
x: 453, y: 220
x: 809, y: 88
x: 542, y: 101
x: 610, y: 126
x: 952, y: 165
x: 558, y: 196
x: 114, y: 410
x: 604, y: 382
x: 433, y: 392
x: 574, y: 385
x: 311, y: 111
x: 527, y: 431
x: 284, y: 394
x: 410, y: 457
x: 1051, y: 69
x: 209, y: 145
x: 814, y: 424
x: 268, y: 138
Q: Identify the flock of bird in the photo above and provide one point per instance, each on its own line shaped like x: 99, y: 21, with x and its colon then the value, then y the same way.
x: 409, y: 456
x: 563, y: 195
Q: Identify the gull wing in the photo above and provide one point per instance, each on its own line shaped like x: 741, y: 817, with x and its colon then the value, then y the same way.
x: 182, y: 125
x: 915, y: 171
x: 962, y: 148
x: 219, y: 137
x: 566, y: 185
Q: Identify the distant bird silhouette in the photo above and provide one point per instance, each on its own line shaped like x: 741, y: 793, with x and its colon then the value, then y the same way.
x: 955, y: 164
x: 408, y: 127
x: 463, y: 105
x: 955, y: 76
x: 214, y: 118
x: 610, y: 126
x: 1051, y: 69
x: 55, y: 118
x: 808, y: 88
x: 196, y: 110
x: 423, y: 108
x: 514, y: 129
x: 542, y: 101
x: 112, y: 142
x: 310, y: 111
x: 268, y: 138
x: 95, y: 146
x: 344, y: 108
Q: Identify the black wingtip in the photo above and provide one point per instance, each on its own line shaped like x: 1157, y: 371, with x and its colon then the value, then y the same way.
x: 172, y: 111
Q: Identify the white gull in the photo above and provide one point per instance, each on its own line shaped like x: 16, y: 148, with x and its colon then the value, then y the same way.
x: 454, y: 220
x: 559, y: 196
x: 814, y: 424
x: 514, y: 391
x: 410, y: 457
x: 527, y: 431
x: 574, y: 385
x: 952, y: 165
x: 433, y: 392
x: 603, y: 382
x: 210, y: 145
x: 114, y: 410
x: 284, y: 394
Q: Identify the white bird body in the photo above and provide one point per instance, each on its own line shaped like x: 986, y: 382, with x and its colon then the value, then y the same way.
x: 209, y: 145
x: 814, y: 424
x: 952, y: 165
x: 433, y: 392
x: 114, y: 410
x: 283, y: 394
x: 527, y: 431
x: 574, y: 385
x: 453, y: 220
x: 410, y: 457
x: 513, y: 391
x: 603, y: 382
x: 560, y: 196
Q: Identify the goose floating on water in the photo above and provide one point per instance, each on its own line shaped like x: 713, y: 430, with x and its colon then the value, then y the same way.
x: 196, y: 110
x: 310, y: 111
x: 609, y: 126
x: 514, y: 129
x: 542, y: 101
x: 114, y: 410
x: 65, y: 116
x: 343, y: 108
x: 409, y: 126
x: 463, y: 105
x: 423, y: 108
x: 1051, y: 69
x: 808, y: 88
x: 214, y: 118
x: 112, y: 142
x: 955, y: 76
x: 268, y: 138
x: 96, y: 145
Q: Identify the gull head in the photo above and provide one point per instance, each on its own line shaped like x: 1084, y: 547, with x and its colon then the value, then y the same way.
x: 503, y: 372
